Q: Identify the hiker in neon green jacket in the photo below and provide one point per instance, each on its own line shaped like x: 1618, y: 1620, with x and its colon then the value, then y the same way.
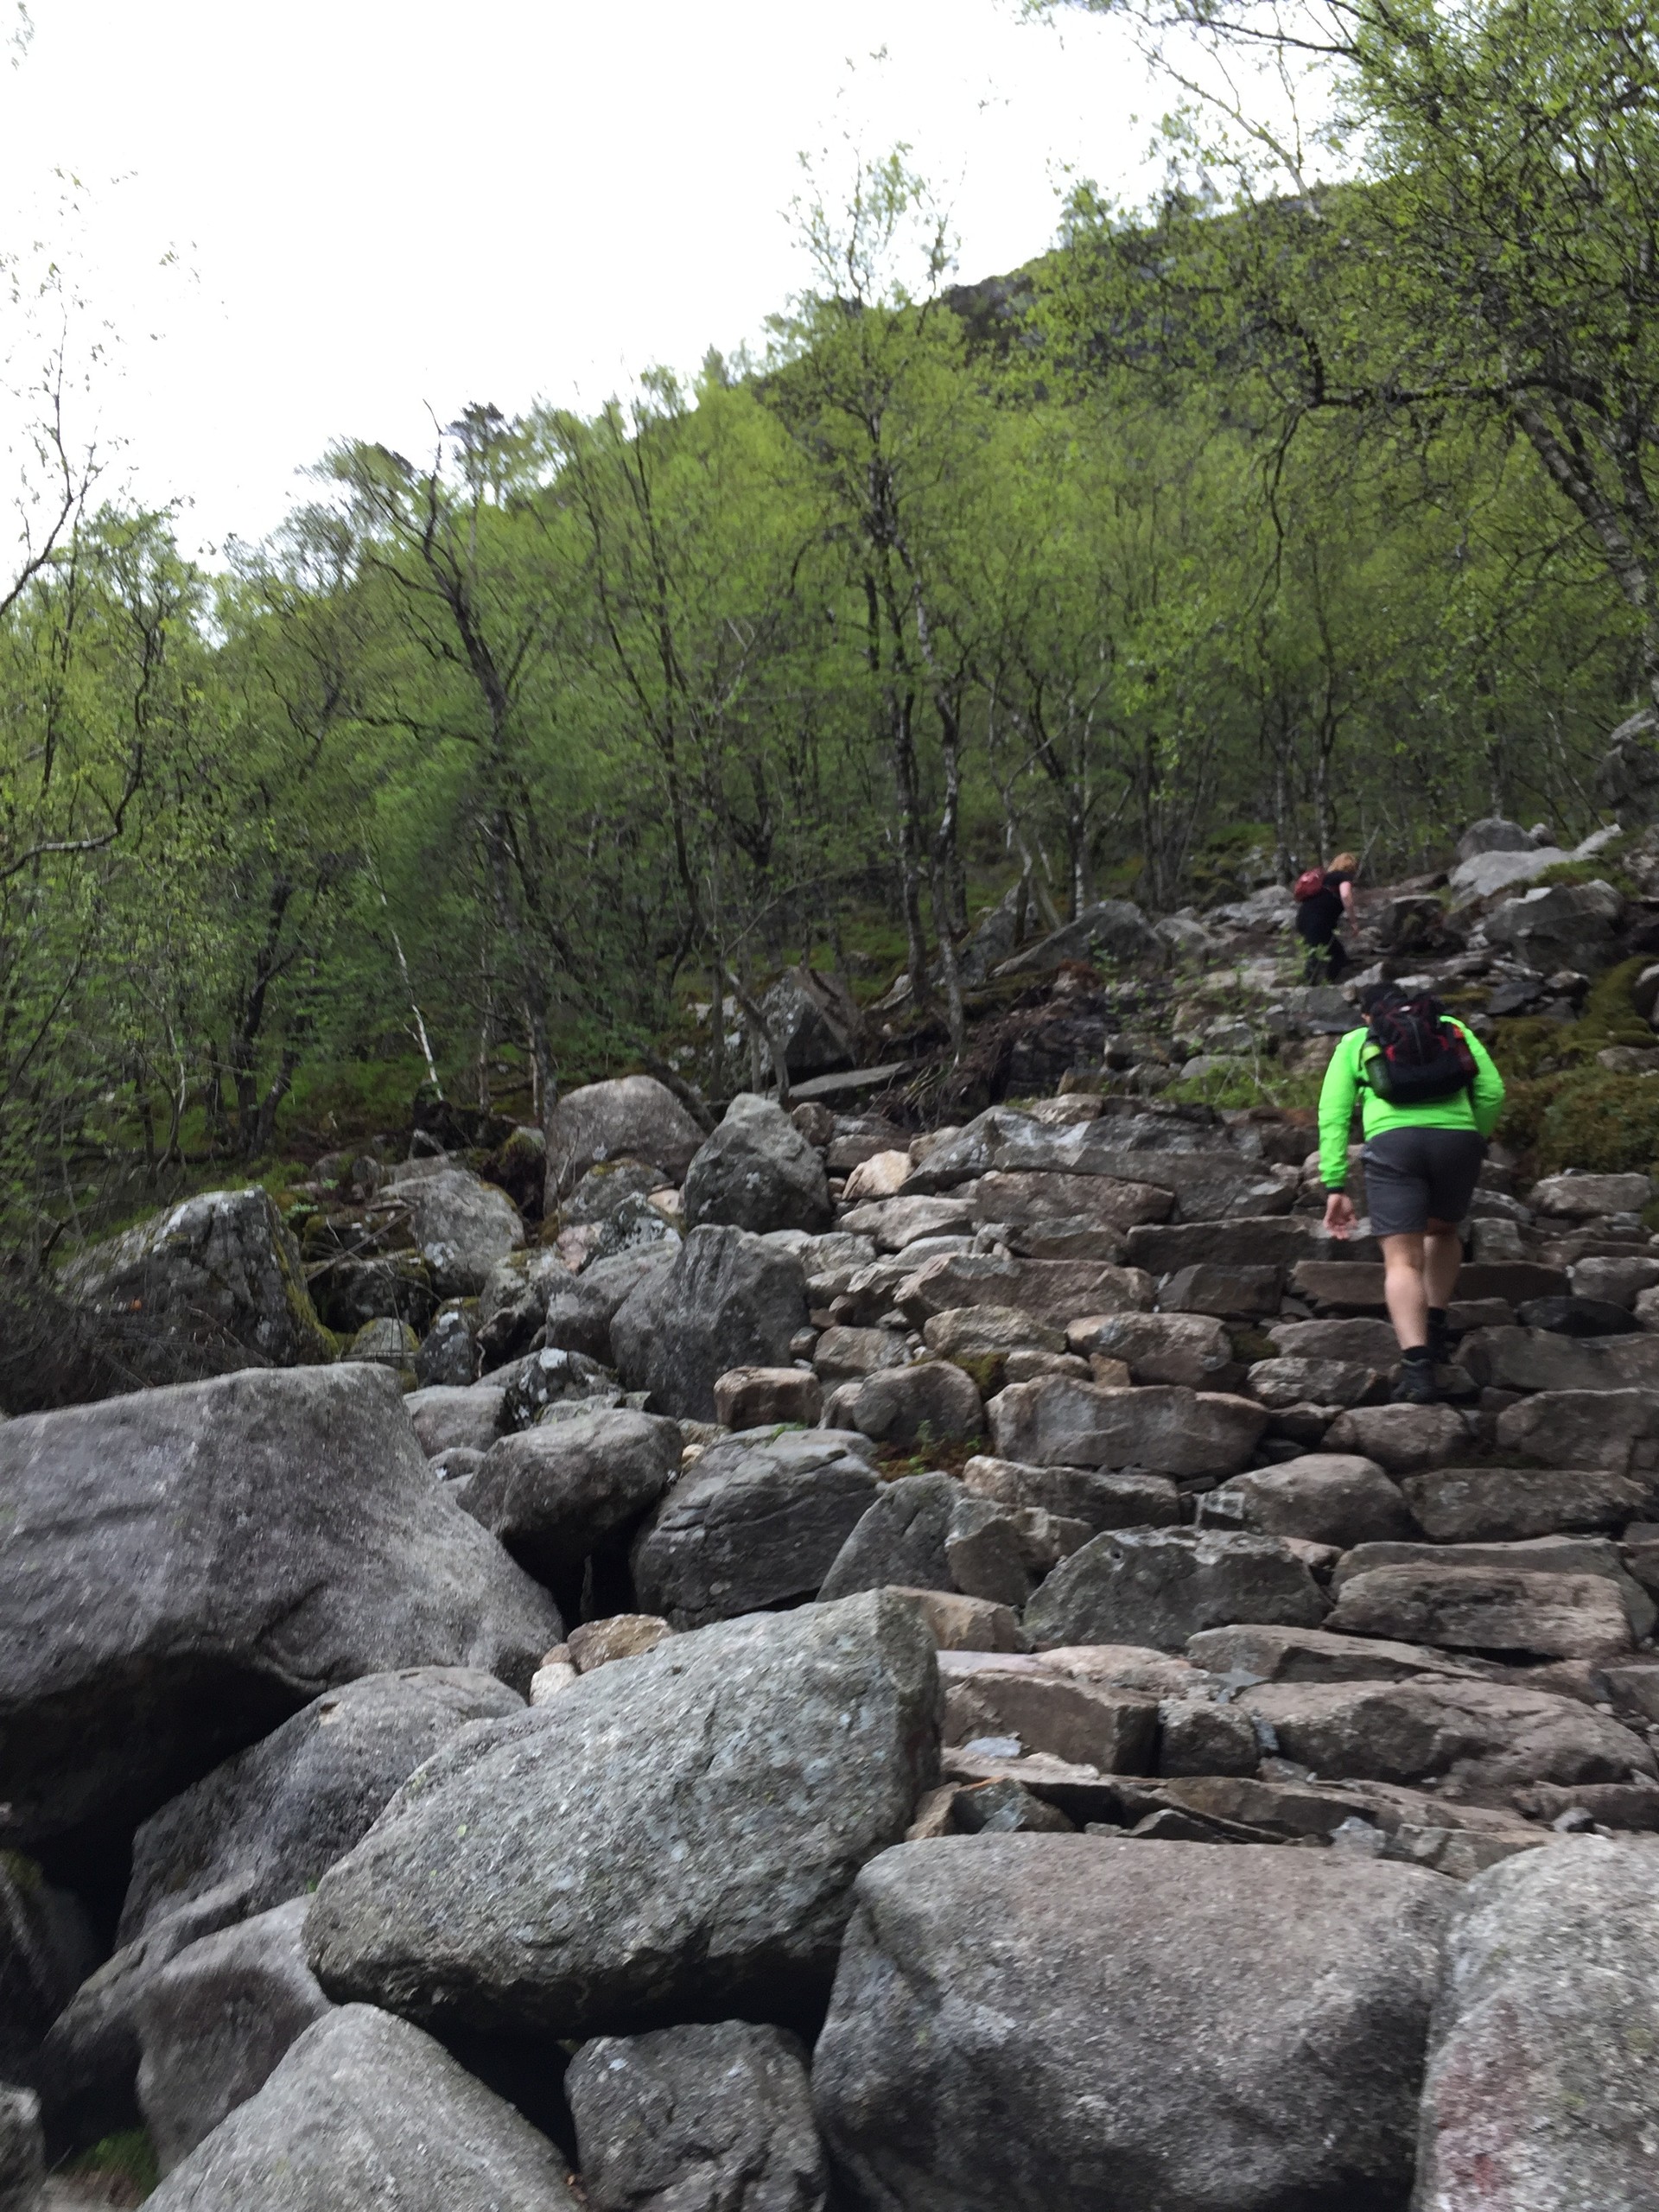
x: 1421, y: 1165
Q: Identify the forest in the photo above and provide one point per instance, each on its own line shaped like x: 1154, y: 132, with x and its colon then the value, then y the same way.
x: 1275, y: 516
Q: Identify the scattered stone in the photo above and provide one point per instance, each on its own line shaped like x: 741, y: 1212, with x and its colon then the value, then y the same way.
x: 1326, y: 1497
x: 1168, y: 1429
x: 462, y: 1227
x: 717, y: 2117
x: 959, y: 1623
x: 364, y: 2109
x: 767, y: 1397
x: 1260, y: 1654
x: 1616, y: 1281
x: 184, y: 1566
x: 1189, y: 1349
x: 584, y: 1868
x: 844, y: 1355
x: 988, y: 1332
x: 1087, y: 1723
x: 1159, y: 1586
x: 932, y: 1402
x: 1099, y: 1499
x: 1399, y: 1438
x: 757, y: 1521
x: 216, y: 2020
x: 1111, y: 1956
x: 620, y: 1636
x: 728, y: 1299
x: 1614, y: 1432
x: 1236, y: 1293
x: 450, y: 1417
x: 1581, y: 1198
x: 1540, y: 2088
x: 878, y: 1175
x: 1100, y: 1201
x: 1280, y: 1384
x: 267, y: 1823
x: 900, y: 1222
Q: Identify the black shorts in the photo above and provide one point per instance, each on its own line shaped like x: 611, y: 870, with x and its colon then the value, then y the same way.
x: 1416, y: 1175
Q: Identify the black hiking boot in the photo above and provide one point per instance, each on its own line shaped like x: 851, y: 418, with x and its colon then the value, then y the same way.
x: 1439, y: 1337
x: 1416, y: 1386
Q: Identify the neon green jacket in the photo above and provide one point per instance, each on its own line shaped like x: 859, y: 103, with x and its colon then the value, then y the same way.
x: 1477, y: 1108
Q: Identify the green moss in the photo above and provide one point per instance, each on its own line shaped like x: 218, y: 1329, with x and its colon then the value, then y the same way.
x: 1585, y: 1117
x: 131, y: 2154
x: 1263, y: 1083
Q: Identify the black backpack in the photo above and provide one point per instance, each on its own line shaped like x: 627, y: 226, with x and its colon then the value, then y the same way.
x: 1420, y: 1058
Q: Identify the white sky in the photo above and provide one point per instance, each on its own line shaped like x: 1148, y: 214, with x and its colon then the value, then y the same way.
x: 384, y: 206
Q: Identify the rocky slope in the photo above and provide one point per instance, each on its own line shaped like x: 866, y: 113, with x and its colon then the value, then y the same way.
x: 908, y: 1671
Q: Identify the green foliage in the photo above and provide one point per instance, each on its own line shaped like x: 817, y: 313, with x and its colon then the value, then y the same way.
x: 1586, y: 1118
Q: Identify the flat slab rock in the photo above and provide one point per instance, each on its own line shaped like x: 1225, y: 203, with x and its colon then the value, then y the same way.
x: 364, y: 2109
x: 684, y: 1830
x: 1502, y: 1504
x: 1165, y: 1429
x: 1481, y: 1739
x: 1007, y: 2008
x: 1487, y: 1609
x: 1159, y: 1586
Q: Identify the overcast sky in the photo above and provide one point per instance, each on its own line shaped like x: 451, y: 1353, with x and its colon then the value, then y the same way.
x: 379, y: 209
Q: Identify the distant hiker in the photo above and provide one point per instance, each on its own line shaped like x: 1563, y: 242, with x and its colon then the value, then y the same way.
x: 1430, y: 1097
x: 1322, y: 896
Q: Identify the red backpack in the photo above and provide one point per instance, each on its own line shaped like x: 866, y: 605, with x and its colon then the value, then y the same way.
x: 1308, y: 884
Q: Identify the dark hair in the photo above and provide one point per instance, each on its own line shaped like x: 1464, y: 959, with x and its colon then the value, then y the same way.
x: 1376, y: 995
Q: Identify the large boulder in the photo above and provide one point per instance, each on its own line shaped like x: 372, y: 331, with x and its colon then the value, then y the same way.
x: 183, y: 1567
x: 1540, y: 2089
x: 1098, y: 1498
x: 463, y: 1228
x: 1190, y: 1348
x: 268, y: 1823
x: 1024, y: 2022
x: 715, y: 2117
x: 365, y: 2110
x: 728, y: 1299
x: 1559, y: 925
x: 909, y: 1535
x: 1613, y: 1432
x: 930, y: 1401
x: 577, y: 1310
x: 1541, y: 1359
x: 635, y: 1117
x: 215, y: 2021
x: 1115, y: 929
x: 22, y: 2157
x: 1158, y: 1586
x: 555, y: 1493
x: 1096, y: 1201
x: 1165, y: 1427
x: 680, y: 1832
x: 1051, y: 1291
x: 1492, y: 834
x: 756, y: 1522
x: 758, y: 1171
x: 214, y: 1285
x: 259, y: 1829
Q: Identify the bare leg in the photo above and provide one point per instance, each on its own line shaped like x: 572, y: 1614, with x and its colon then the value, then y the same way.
x: 1404, y: 1288
x: 1442, y: 1258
